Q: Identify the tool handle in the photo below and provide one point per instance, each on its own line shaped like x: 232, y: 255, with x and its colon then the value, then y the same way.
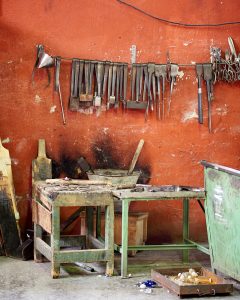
x: 200, y: 109
x: 106, y: 72
x: 121, y: 83
x: 80, y: 77
x: 110, y: 80
x: 134, y: 70
x: 72, y: 77
x: 57, y: 72
x: 41, y: 148
x: 86, y: 74
x: 114, y: 79
x: 136, y: 155
x: 117, y: 86
x: 76, y: 78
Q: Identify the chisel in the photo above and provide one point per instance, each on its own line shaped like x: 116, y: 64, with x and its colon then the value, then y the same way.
x: 207, y: 73
x: 109, y: 84
x: 112, y: 97
x: 199, y: 71
x: 57, y: 85
x: 99, y: 76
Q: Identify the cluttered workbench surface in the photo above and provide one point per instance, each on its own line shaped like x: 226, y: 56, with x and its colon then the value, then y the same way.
x: 164, y: 191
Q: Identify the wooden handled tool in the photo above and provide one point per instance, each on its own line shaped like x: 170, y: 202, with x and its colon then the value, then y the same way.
x: 135, y: 157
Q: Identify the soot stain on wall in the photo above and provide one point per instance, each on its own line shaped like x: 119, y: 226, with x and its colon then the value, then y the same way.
x: 105, y: 156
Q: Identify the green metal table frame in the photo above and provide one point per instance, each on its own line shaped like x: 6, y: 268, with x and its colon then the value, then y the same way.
x: 126, y: 197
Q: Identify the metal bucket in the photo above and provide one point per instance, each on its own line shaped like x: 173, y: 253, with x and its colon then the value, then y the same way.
x: 114, y: 176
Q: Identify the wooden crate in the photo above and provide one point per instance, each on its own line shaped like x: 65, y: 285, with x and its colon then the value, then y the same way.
x: 137, y: 228
x: 219, y: 285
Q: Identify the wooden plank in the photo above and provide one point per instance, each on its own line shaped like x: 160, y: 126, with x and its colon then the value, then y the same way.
x: 90, y: 255
x: 69, y: 241
x: 9, y: 230
x: 42, y: 216
x: 43, y: 248
x: 83, y: 199
x: 41, y: 166
x: 138, y: 196
x: 6, y: 170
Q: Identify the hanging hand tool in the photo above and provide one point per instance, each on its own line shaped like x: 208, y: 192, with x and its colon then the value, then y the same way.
x: 112, y: 97
x: 57, y: 87
x: 80, y: 78
x: 137, y: 82
x: 110, y: 71
x: 86, y: 97
x: 146, y: 89
x: 151, y: 69
x: 125, y: 78
x: 93, y: 65
x: 232, y: 49
x: 133, y: 80
x: 135, y: 103
x: 76, y: 80
x: 173, y: 74
x: 83, y: 96
x: 105, y: 78
x: 99, y: 76
x: 74, y: 99
x: 116, y: 104
x: 157, y: 74
x: 163, y: 74
x: 207, y: 74
x: 121, y: 83
x: 141, y: 81
x: 199, y: 70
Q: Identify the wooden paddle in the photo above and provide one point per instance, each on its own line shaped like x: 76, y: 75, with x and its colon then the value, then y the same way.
x: 6, y: 170
x: 41, y: 166
x: 135, y: 157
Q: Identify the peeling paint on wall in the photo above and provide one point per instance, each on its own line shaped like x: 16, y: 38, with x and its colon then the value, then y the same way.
x: 6, y: 140
x: 53, y: 109
x: 37, y: 99
x: 189, y: 115
x: 222, y: 111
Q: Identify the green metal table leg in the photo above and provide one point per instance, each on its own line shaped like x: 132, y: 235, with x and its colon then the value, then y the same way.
x: 124, y: 253
x: 55, y: 241
x: 109, y: 237
x: 185, y: 228
x: 89, y: 225
x: 98, y: 222
x: 38, y: 231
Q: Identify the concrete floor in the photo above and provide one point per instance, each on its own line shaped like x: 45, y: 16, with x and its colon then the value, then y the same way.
x: 31, y: 281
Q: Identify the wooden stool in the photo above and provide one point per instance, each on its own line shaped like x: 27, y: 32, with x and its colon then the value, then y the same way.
x: 47, y: 200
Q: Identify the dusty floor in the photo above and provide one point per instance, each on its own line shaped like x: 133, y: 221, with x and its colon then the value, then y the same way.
x: 32, y: 281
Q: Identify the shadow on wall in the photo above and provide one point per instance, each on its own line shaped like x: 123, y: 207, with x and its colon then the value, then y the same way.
x: 105, y: 156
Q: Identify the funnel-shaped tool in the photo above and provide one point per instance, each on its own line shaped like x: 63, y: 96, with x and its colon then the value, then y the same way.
x: 45, y: 60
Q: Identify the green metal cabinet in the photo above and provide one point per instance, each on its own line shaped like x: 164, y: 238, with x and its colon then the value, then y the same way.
x: 222, y: 185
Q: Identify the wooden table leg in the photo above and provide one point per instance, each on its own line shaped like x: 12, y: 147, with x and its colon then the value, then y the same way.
x: 124, y: 252
x: 185, y: 228
x: 38, y: 257
x: 55, y: 241
x: 109, y: 237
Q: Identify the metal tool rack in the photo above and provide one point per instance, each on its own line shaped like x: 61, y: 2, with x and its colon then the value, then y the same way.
x: 125, y: 197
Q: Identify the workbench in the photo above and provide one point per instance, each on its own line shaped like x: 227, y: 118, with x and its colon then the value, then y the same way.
x: 125, y: 197
x: 47, y: 201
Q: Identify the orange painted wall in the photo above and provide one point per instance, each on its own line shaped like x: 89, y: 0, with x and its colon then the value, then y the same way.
x: 105, y: 30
